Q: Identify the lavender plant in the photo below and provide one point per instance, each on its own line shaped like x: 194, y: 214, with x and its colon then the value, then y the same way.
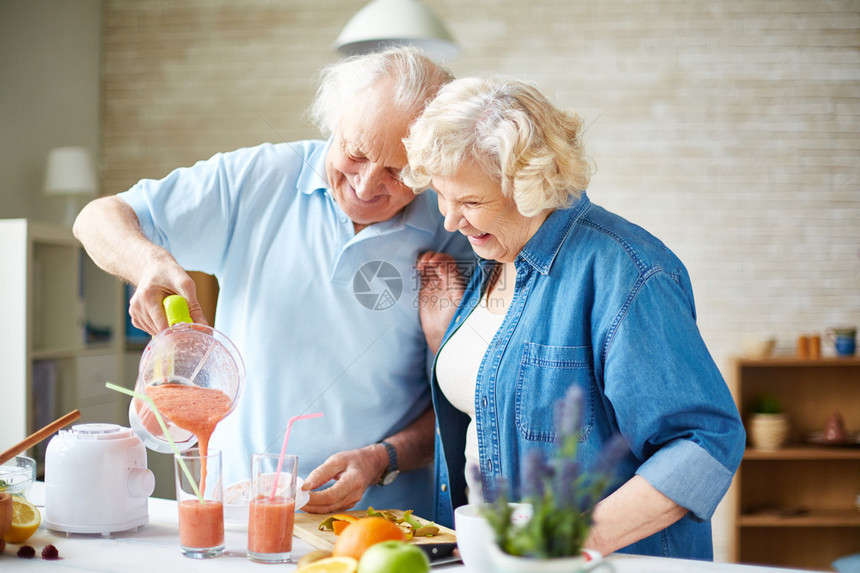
x: 561, y: 493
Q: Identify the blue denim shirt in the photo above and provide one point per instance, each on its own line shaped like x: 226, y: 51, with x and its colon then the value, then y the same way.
x: 601, y: 303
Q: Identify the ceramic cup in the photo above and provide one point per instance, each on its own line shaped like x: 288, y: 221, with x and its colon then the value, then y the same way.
x: 844, y: 339
x: 474, y: 535
x: 201, y: 523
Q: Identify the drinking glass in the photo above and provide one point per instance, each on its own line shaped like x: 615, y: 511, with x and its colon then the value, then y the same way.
x: 272, y: 507
x: 201, y: 523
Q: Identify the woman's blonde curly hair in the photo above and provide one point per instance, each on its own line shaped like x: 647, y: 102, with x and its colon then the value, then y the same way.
x: 511, y: 131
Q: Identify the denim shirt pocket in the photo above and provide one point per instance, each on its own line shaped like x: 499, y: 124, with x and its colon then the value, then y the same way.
x: 546, y: 372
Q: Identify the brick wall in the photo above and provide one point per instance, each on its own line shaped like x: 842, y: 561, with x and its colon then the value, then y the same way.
x: 729, y: 129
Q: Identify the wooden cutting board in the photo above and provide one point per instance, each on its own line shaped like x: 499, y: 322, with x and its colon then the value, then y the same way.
x: 307, y: 528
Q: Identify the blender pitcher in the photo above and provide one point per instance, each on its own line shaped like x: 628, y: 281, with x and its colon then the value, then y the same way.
x: 188, y: 354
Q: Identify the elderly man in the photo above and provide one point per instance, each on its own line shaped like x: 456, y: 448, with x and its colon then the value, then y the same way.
x: 313, y: 244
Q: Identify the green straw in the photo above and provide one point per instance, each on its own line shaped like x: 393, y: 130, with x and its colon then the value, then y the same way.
x: 161, y: 423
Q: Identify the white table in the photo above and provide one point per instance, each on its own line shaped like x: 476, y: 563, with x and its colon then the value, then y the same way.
x: 154, y: 548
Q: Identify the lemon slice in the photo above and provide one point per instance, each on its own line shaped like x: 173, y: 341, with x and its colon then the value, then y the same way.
x: 340, y: 564
x: 25, y: 521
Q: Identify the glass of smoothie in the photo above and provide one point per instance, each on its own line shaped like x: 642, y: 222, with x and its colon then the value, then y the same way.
x: 272, y: 508
x: 201, y: 523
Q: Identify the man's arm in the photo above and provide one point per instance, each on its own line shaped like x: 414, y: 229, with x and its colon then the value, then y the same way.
x: 632, y: 512
x: 110, y: 232
x: 356, y: 470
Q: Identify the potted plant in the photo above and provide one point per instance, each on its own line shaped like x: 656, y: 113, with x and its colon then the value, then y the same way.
x: 768, y: 424
x: 562, y: 495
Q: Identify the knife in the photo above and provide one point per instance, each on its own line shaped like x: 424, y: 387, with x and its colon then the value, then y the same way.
x: 439, y: 553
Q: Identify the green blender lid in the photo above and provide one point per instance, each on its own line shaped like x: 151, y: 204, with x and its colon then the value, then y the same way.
x: 176, y: 308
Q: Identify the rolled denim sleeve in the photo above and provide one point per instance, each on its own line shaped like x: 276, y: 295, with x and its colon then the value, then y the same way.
x: 689, y: 476
x: 669, y: 398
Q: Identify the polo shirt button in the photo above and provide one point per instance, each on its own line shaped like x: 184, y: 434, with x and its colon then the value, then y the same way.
x: 490, y: 465
x: 484, y: 402
x: 342, y: 219
x: 444, y: 487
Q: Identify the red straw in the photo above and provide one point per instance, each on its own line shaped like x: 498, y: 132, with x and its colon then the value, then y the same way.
x: 284, y: 449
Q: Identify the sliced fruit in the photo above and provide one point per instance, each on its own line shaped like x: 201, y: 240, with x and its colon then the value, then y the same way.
x: 315, y: 555
x: 406, y: 529
x: 338, y: 526
x: 340, y: 564
x: 25, y: 521
x: 328, y: 524
x: 344, y: 517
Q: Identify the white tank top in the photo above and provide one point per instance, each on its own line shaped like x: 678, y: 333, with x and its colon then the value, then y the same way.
x: 457, y: 372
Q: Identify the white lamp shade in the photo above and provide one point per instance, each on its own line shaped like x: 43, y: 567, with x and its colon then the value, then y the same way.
x: 70, y: 172
x: 383, y: 23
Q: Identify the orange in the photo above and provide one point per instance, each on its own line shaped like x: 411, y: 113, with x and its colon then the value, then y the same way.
x: 360, y: 535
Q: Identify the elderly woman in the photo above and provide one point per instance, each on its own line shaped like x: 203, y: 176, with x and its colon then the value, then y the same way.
x: 567, y: 293
x: 295, y: 233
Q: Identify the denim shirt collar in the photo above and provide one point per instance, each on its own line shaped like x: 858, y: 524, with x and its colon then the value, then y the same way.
x: 543, y: 247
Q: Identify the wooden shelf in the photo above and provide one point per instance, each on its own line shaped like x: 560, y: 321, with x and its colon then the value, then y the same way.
x: 54, y: 353
x: 813, y: 487
x: 805, y: 452
x: 777, y: 361
x: 818, y: 518
x: 50, y: 290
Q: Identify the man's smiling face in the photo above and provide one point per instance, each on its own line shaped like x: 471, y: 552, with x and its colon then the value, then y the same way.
x: 364, y: 162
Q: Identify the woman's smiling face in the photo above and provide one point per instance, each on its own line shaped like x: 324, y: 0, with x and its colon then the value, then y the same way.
x: 473, y: 204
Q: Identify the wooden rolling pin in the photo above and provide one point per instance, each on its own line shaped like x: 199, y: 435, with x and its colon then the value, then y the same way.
x: 38, y: 436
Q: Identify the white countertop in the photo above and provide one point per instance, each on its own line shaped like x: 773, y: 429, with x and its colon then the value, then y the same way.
x: 157, y: 545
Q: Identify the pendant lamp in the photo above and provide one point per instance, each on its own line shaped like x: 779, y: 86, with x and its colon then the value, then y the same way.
x: 384, y: 23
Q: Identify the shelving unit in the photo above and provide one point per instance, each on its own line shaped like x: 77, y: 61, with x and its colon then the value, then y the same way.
x: 796, y: 506
x: 53, y: 298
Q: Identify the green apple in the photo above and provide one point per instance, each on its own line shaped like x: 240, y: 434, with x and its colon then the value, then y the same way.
x: 393, y: 557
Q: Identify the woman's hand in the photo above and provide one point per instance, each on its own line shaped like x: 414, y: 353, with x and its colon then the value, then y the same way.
x: 442, y: 288
x: 632, y: 512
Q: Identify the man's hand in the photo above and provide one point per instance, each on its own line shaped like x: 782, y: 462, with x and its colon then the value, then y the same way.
x: 442, y: 288
x: 353, y: 471
x: 110, y: 232
x: 161, y: 277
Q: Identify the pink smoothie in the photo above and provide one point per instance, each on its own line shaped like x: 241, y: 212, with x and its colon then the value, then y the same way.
x: 201, y: 525
x: 270, y: 525
x: 192, y: 408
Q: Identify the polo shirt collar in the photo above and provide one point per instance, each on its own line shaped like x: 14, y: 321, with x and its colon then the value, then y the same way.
x: 313, y: 176
x: 421, y: 214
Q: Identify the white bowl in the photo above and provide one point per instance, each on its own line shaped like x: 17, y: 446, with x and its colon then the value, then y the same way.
x: 236, y: 500
x: 17, y: 475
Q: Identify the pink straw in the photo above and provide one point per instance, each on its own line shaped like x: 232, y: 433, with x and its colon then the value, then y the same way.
x: 284, y: 449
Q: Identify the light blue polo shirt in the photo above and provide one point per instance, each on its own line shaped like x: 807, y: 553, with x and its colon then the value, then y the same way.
x: 326, y: 320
